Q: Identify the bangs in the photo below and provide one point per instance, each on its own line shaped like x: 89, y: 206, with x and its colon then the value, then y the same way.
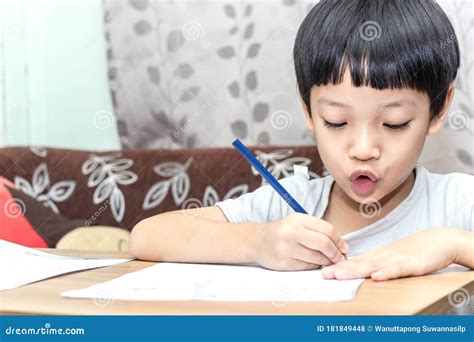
x: 382, y: 44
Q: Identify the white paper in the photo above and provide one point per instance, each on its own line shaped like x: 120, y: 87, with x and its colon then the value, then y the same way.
x: 176, y: 281
x: 21, y: 265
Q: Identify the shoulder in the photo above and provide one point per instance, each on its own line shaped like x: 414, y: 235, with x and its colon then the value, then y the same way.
x: 452, y: 183
x: 300, y: 185
x: 450, y: 196
x: 299, y: 180
x: 265, y: 204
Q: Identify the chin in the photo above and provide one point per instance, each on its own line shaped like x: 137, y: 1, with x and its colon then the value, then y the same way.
x: 377, y: 195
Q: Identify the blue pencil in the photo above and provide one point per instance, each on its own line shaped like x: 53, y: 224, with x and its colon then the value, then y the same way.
x: 268, y: 177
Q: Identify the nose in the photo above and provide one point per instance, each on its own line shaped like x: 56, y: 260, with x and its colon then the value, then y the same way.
x: 364, y: 145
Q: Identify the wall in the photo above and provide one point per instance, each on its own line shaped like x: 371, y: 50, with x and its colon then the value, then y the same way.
x: 54, y: 85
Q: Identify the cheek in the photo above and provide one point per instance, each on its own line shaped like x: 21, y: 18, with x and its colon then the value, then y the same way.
x: 326, y: 149
x: 330, y: 151
x: 405, y: 149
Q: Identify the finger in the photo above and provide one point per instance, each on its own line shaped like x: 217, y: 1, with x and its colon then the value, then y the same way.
x: 319, y: 242
x: 355, y: 270
x: 383, y: 275
x: 298, y: 265
x: 322, y: 227
x: 305, y: 254
x: 392, y: 272
x: 343, y: 246
x: 329, y: 272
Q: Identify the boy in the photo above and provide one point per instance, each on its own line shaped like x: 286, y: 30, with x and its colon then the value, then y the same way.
x: 375, y: 78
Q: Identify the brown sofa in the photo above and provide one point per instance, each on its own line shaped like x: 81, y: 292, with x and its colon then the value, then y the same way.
x: 120, y: 188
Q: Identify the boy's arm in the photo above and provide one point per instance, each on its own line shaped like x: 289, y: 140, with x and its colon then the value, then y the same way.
x: 203, y: 235
x: 465, y: 254
x: 193, y: 235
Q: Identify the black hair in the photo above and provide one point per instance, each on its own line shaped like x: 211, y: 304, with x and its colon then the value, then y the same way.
x: 384, y: 43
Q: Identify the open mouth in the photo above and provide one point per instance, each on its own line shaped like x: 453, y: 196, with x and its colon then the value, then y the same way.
x: 364, y: 184
x: 363, y: 177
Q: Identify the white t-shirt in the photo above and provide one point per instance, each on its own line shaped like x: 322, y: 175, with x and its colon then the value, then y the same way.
x: 435, y: 200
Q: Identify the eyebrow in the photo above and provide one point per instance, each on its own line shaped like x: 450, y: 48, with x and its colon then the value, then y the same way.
x: 392, y: 104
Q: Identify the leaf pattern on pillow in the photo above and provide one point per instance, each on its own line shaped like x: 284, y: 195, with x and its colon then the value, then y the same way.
x: 279, y: 163
x: 106, y: 173
x: 176, y: 178
x: 42, y: 189
x: 211, y: 197
x: 39, y: 151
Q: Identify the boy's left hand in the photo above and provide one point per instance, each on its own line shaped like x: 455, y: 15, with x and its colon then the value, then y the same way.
x: 414, y: 255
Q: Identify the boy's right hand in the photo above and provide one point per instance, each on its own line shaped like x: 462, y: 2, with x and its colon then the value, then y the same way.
x: 298, y: 242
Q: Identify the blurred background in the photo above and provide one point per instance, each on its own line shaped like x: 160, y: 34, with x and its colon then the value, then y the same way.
x: 112, y: 111
x: 113, y: 74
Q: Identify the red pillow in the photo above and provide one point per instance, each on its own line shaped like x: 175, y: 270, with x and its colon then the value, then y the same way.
x: 27, y: 222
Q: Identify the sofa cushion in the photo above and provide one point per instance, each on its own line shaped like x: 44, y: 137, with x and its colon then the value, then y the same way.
x: 14, y: 226
x: 96, y: 238
x: 120, y: 188
x: 26, y: 221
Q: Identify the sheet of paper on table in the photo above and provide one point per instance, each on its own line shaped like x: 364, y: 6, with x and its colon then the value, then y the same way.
x: 180, y: 281
x: 21, y: 265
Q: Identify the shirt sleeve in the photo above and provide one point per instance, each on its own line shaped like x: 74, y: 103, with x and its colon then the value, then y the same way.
x: 470, y: 218
x: 468, y: 195
x: 464, y: 203
x: 264, y: 204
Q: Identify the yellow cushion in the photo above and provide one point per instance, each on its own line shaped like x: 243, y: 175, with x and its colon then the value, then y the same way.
x: 96, y: 238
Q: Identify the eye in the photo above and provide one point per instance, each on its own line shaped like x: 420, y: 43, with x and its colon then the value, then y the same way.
x: 404, y: 125
x: 333, y: 125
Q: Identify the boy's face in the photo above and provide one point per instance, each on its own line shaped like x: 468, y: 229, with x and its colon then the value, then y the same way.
x: 382, y: 131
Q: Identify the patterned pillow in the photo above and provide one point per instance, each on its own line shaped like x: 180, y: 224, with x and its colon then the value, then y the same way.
x: 27, y: 222
x: 121, y: 188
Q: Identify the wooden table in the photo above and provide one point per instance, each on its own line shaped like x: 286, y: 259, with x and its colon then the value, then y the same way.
x: 416, y: 295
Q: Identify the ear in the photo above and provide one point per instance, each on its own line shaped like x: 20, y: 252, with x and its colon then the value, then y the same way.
x: 309, y: 120
x: 436, y: 122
